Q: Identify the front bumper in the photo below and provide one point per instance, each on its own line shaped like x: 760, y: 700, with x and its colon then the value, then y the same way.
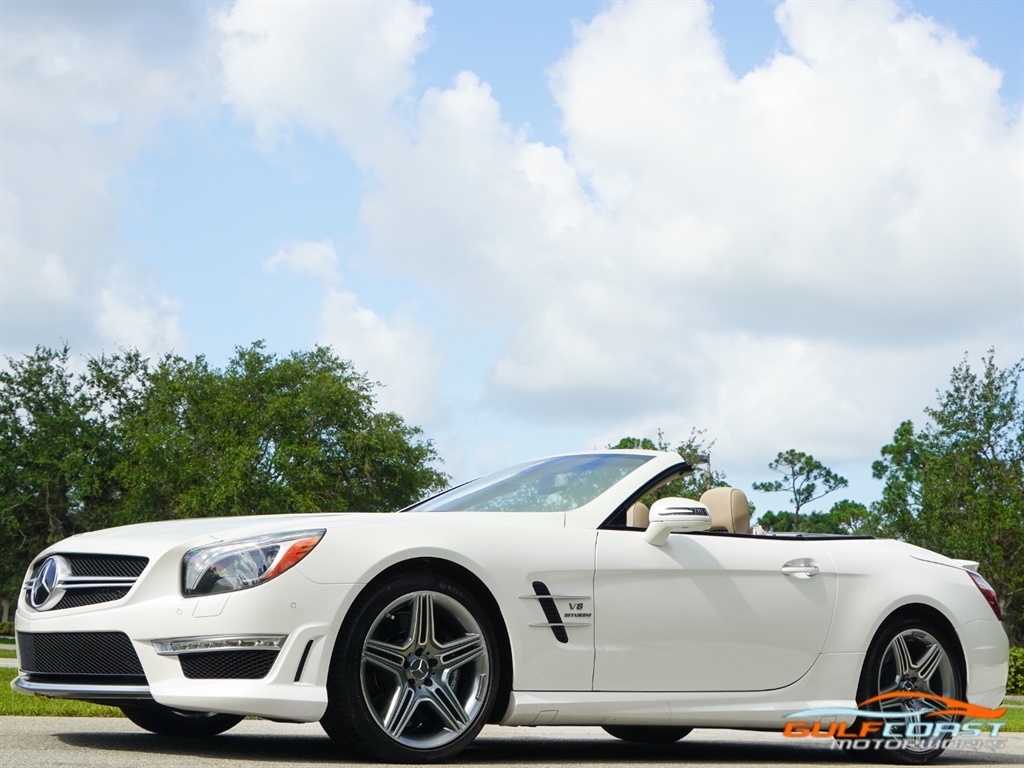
x: 290, y: 685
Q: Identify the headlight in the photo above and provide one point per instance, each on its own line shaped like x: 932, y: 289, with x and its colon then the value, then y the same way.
x: 234, y: 565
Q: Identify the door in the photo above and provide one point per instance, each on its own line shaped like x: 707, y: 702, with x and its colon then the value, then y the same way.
x: 708, y: 612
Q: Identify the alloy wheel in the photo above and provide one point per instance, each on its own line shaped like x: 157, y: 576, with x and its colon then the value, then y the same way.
x: 424, y: 669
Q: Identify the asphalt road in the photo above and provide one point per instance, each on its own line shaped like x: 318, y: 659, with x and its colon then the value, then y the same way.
x: 55, y: 742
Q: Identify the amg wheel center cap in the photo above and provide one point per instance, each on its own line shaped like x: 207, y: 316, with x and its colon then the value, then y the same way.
x: 47, y: 588
x: 419, y: 669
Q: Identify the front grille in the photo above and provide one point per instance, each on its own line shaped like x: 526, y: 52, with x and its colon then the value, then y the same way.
x: 227, y: 665
x: 107, y: 565
x: 79, y: 657
x: 123, y: 569
x: 80, y: 597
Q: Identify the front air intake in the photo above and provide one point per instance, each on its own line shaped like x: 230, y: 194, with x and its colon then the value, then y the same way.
x: 106, y: 658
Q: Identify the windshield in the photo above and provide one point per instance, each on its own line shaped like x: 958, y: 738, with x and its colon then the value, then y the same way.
x: 550, y: 485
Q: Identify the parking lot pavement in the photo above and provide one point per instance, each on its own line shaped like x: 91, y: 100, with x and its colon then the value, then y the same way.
x: 26, y: 742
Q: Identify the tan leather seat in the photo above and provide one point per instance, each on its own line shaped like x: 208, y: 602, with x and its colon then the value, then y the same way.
x: 638, y: 516
x: 729, y: 509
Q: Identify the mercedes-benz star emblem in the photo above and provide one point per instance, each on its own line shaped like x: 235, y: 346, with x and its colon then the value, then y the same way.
x: 419, y: 668
x: 46, y: 592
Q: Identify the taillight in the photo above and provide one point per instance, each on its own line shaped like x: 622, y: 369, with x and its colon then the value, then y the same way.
x: 987, y: 591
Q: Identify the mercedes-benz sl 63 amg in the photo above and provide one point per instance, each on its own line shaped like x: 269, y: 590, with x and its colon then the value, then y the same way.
x: 547, y: 594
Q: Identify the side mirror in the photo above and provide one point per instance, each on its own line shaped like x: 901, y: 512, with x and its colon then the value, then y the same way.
x: 675, y: 514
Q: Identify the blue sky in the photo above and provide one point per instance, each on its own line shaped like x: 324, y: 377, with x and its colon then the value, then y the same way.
x: 541, y: 225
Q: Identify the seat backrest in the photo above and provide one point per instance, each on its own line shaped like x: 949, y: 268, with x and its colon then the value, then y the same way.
x: 638, y: 516
x: 729, y: 509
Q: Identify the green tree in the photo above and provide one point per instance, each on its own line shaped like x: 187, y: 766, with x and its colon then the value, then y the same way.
x: 777, y: 522
x: 845, y: 518
x: 957, y: 485
x: 804, y: 478
x: 268, y: 435
x: 696, y: 450
x: 853, y: 518
x: 58, y: 449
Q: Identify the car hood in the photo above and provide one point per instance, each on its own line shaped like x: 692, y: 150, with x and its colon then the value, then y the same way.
x: 151, y: 539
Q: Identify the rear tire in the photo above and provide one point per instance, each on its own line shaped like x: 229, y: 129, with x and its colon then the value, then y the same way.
x: 166, y: 721
x: 910, y: 656
x: 415, y: 671
x: 648, y: 734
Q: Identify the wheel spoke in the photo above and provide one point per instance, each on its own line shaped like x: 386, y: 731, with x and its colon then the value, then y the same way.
x: 453, y: 655
x: 421, y: 628
x: 888, y: 705
x: 448, y: 706
x: 929, y: 663
x: 386, y: 656
x: 402, y: 707
x: 928, y: 707
x: 901, y: 655
x: 894, y: 687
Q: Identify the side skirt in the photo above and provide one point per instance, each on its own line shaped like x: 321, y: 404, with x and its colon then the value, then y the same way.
x: 830, y: 683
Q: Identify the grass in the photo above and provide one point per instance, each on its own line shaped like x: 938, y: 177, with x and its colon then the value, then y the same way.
x: 1014, y: 719
x: 12, y: 703
x: 8, y: 654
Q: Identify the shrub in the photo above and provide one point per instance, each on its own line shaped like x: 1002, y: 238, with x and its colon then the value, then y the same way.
x: 6, y: 628
x: 1015, y: 682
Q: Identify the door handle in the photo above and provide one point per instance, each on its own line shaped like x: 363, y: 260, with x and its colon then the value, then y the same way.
x: 803, y: 568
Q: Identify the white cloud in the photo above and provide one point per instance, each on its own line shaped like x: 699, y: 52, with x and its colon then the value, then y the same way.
x: 399, y: 354
x: 396, y: 352
x: 471, y: 207
x: 124, y: 321
x: 845, y: 180
x: 345, y: 69
x: 869, y: 190
x: 335, y: 67
x: 84, y: 86
x: 318, y: 259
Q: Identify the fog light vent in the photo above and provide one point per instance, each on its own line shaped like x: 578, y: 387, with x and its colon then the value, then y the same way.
x: 233, y: 665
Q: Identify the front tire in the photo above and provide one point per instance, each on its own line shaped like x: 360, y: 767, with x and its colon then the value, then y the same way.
x: 648, y: 734
x: 166, y: 721
x: 910, y: 656
x: 414, y: 674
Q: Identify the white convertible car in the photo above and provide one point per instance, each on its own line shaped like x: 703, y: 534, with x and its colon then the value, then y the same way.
x: 546, y: 594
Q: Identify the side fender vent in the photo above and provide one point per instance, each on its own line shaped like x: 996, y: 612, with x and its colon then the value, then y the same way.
x: 547, y: 603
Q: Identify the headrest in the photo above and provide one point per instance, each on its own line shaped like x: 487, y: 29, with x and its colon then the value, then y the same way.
x: 729, y: 509
x: 638, y: 516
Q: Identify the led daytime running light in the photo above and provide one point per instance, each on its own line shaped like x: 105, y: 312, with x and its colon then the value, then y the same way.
x: 176, y: 646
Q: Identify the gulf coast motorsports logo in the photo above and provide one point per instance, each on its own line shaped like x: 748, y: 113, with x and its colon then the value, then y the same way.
x: 902, y: 720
